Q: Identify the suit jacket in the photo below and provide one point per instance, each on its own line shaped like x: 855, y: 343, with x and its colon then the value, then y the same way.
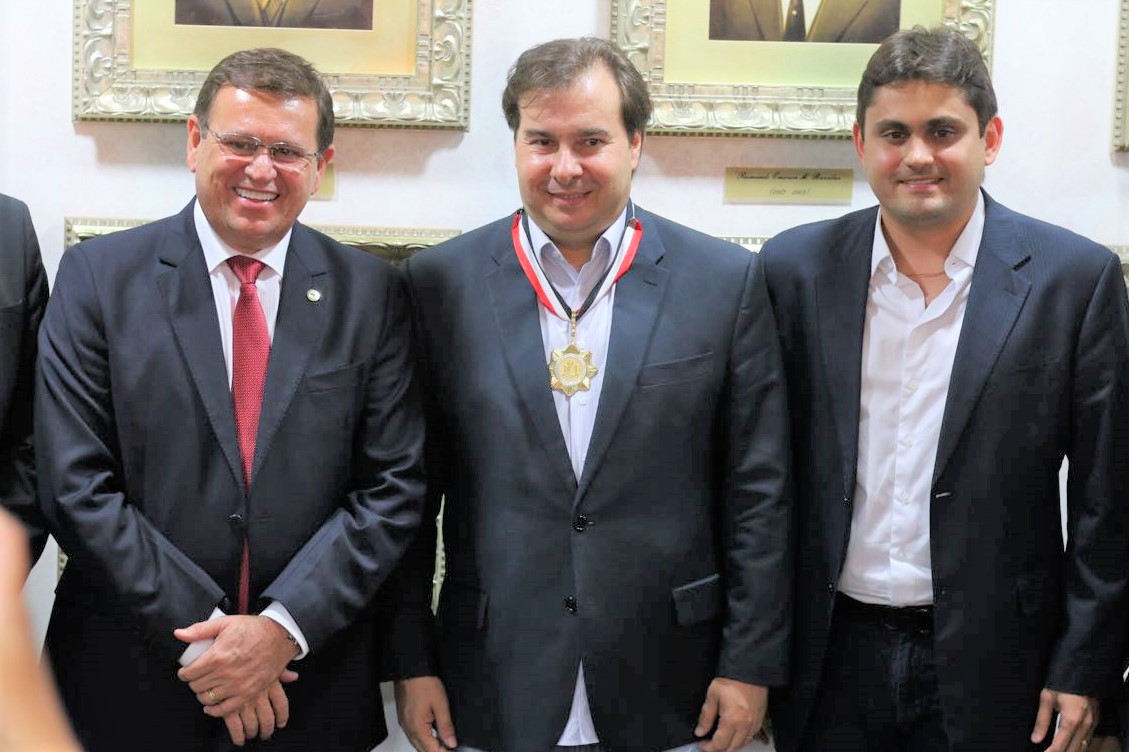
x: 664, y: 565
x: 23, y: 296
x: 306, y: 14
x: 859, y: 21
x: 142, y: 482
x: 1041, y: 373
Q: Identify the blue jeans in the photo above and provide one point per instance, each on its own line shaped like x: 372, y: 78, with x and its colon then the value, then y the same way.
x: 879, y: 690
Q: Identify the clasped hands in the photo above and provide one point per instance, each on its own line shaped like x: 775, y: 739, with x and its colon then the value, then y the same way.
x: 239, y: 677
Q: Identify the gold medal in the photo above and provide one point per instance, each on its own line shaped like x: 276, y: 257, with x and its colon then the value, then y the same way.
x: 571, y: 368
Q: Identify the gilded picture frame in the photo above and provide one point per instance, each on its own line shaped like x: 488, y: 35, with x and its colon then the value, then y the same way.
x: 393, y: 244
x: 748, y: 242
x: 133, y: 62
x: 801, y: 89
x: 1121, y: 88
x: 1122, y: 252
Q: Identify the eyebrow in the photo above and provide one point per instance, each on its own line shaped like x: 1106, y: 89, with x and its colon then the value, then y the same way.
x: 932, y: 123
x: 586, y: 133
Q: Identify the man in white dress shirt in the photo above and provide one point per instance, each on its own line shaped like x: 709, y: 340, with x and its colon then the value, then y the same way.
x: 943, y: 356
x: 606, y: 423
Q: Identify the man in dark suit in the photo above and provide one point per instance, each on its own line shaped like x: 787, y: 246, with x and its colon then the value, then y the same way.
x: 857, y: 21
x: 302, y: 14
x: 23, y: 296
x: 943, y: 355
x: 231, y: 457
x: 615, y: 524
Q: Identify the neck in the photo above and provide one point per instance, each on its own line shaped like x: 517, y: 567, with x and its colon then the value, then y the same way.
x: 576, y: 256
x: 919, y: 252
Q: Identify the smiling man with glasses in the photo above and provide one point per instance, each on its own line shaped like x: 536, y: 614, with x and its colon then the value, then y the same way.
x: 231, y: 445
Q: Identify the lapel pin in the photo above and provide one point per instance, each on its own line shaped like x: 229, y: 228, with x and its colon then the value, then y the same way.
x: 313, y: 295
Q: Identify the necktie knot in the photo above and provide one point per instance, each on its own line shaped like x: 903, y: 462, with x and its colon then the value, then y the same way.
x: 246, y: 269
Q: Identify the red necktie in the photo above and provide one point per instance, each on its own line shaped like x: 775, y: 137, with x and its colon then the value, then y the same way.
x: 250, y: 352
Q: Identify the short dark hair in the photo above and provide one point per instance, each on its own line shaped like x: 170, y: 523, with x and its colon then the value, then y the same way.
x: 559, y: 64
x: 940, y: 56
x: 274, y: 71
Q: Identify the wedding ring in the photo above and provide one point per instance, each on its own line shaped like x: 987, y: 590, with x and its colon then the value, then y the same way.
x: 212, y: 699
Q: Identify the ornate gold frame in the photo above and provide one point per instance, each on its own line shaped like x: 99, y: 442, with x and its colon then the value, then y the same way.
x: 1121, y: 90
x: 107, y: 86
x: 752, y: 243
x: 753, y: 107
x: 389, y: 243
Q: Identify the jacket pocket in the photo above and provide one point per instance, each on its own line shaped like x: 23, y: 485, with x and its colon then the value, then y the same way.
x: 675, y: 371
x: 697, y: 601
x: 338, y: 378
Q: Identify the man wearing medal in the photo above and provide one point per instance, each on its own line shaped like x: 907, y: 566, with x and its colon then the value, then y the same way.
x: 615, y: 526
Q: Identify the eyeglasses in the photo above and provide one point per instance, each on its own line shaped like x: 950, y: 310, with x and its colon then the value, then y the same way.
x: 284, y: 156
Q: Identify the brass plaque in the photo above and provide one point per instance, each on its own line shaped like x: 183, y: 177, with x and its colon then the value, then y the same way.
x: 780, y: 185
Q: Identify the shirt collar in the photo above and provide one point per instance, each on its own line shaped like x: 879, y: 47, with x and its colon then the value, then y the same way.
x: 554, y: 263
x: 217, y: 252
x: 965, y: 249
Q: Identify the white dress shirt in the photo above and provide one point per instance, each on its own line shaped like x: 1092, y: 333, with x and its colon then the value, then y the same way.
x: 907, y: 360
x: 577, y: 414
x: 225, y: 290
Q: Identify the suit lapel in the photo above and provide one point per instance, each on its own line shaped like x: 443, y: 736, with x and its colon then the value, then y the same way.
x: 297, y: 330
x: 766, y: 15
x: 994, y: 302
x: 184, y: 282
x: 297, y: 12
x: 519, y: 333
x: 638, y: 296
x: 244, y: 12
x: 840, y: 302
x: 833, y: 19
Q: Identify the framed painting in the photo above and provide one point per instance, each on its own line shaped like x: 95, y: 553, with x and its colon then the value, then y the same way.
x: 392, y: 244
x: 1121, y: 90
x: 388, y: 63
x: 709, y: 74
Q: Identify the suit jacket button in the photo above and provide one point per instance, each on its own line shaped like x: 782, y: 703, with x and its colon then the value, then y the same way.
x: 236, y: 519
x: 570, y: 604
x: 580, y: 524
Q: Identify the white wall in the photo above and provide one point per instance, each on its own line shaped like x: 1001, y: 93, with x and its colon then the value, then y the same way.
x: 1054, y: 70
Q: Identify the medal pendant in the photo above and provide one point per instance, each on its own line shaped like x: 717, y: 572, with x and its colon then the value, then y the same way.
x: 571, y: 370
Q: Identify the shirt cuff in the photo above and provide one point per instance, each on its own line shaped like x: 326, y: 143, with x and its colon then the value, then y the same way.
x: 196, y: 649
x: 278, y: 613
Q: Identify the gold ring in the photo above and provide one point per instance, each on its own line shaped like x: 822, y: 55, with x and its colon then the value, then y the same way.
x: 212, y: 699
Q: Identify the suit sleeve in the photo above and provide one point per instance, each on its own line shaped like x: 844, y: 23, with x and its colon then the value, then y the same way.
x: 405, y: 602
x: 82, y: 491
x: 338, y: 571
x: 17, y: 449
x: 1089, y: 654
x: 756, y: 633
